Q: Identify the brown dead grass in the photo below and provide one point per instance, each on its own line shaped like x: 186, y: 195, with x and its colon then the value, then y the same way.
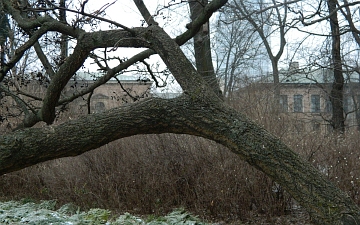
x: 153, y: 174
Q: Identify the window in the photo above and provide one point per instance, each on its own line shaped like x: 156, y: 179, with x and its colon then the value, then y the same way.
x: 347, y: 104
x: 99, y: 107
x: 299, y: 127
x: 283, y: 103
x: 357, y: 102
x: 329, y: 128
x: 328, y: 106
x: 298, y: 103
x: 315, y: 126
x: 315, y: 103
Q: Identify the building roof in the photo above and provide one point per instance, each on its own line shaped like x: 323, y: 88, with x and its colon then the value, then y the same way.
x: 306, y: 76
x: 92, y: 76
x: 167, y: 95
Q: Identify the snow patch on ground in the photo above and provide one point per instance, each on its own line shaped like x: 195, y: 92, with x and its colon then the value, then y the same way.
x: 45, y: 213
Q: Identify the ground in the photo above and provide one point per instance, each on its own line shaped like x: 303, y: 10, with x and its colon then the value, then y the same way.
x: 45, y: 212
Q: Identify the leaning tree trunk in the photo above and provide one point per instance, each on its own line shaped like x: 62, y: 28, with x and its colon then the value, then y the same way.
x: 197, y: 112
x: 209, y: 119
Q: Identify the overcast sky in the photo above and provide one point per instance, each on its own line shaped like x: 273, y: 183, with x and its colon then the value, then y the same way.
x: 174, y: 21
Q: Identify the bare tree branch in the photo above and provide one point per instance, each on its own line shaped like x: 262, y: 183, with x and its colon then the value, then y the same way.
x: 303, y: 19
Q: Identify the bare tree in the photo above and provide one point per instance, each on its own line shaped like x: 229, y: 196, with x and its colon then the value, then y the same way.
x: 267, y: 19
x: 198, y: 111
x: 237, y: 50
x: 337, y: 30
x: 348, y: 12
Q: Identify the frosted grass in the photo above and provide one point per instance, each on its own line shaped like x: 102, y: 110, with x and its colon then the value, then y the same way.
x: 45, y: 213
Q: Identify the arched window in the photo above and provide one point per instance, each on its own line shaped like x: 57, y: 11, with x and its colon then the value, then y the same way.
x: 99, y: 107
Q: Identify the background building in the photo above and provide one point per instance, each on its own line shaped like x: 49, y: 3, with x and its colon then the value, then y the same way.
x: 126, y: 89
x: 304, y: 97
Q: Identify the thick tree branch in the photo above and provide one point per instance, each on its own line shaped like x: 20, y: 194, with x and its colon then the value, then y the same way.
x: 175, y: 60
x: 138, y: 58
x: 44, y: 60
x: 202, y: 18
x: 86, y: 43
x: 31, y: 23
x: 145, y: 12
x: 59, y: 81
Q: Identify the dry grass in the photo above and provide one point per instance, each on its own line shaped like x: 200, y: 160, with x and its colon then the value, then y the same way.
x: 154, y: 174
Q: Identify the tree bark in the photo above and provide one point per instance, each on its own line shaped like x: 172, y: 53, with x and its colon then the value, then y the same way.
x: 202, y: 47
x: 64, y: 37
x: 336, y: 94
